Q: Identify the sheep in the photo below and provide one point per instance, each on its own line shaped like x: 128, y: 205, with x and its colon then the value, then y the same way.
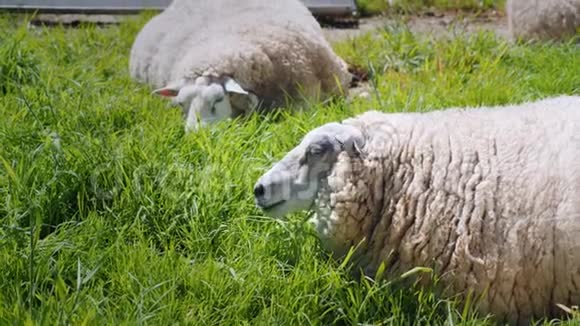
x: 260, y: 53
x: 487, y: 197
x: 543, y: 19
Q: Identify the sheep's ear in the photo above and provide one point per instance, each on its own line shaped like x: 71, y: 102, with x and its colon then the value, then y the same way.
x: 351, y: 146
x: 166, y: 92
x: 233, y: 87
x: 355, y: 149
x: 171, y: 89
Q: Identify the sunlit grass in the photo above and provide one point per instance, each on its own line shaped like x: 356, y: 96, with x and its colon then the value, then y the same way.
x: 372, y: 7
x: 110, y: 214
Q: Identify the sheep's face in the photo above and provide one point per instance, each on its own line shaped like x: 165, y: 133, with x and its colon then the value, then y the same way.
x: 206, y: 100
x: 293, y: 183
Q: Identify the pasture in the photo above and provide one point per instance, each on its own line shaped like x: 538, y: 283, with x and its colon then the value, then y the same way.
x: 110, y: 214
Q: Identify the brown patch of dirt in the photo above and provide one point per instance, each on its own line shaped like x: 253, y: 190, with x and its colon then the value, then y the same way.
x: 360, y: 74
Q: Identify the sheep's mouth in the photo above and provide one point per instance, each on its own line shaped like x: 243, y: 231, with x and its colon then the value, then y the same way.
x: 273, y: 206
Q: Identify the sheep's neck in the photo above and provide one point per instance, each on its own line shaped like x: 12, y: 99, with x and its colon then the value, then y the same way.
x: 410, y: 216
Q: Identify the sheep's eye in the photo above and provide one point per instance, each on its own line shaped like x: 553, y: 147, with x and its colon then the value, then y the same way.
x: 316, y: 151
x: 219, y: 99
x: 320, y: 148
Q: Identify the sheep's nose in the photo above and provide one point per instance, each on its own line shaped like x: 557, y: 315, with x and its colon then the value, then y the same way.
x: 259, y: 191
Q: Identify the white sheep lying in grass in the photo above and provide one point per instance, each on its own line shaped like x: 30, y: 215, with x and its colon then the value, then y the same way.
x: 488, y: 197
x: 224, y: 58
x: 543, y: 19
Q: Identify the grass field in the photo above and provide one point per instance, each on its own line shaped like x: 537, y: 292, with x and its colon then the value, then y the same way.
x: 109, y: 214
x: 369, y: 7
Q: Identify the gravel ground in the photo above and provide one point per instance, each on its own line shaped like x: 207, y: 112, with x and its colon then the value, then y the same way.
x: 436, y: 24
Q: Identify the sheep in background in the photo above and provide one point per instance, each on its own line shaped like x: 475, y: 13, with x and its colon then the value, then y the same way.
x: 543, y: 19
x: 488, y: 197
x: 253, y: 54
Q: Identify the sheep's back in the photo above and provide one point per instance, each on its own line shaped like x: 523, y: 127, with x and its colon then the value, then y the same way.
x: 544, y: 20
x: 251, y: 29
x: 146, y: 42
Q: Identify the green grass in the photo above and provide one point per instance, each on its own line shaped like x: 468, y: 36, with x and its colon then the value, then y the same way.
x: 373, y: 7
x: 109, y: 214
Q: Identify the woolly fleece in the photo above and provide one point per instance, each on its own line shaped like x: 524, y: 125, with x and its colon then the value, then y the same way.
x: 273, y: 49
x: 489, y: 197
x: 543, y: 19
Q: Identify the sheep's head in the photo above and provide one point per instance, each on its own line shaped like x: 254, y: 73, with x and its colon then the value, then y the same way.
x: 207, y: 98
x: 293, y: 183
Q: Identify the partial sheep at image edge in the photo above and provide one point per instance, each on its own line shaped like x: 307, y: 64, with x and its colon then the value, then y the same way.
x: 543, y: 20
